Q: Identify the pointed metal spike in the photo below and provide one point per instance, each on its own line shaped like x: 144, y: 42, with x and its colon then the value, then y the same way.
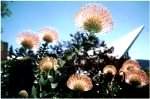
x: 122, y: 45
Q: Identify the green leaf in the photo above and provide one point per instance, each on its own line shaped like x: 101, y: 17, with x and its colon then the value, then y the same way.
x: 61, y: 62
x: 34, y: 92
x: 42, y: 81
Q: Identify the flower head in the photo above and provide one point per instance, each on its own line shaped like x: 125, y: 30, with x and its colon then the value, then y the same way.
x: 130, y: 65
x: 79, y: 82
x: 23, y: 94
x: 94, y: 18
x: 139, y: 77
x: 48, y: 63
x: 28, y: 40
x: 110, y: 69
x: 49, y: 34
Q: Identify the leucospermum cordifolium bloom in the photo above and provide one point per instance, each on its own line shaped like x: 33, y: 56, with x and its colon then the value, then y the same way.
x: 48, y: 63
x: 28, y: 40
x: 133, y: 73
x: 79, y: 82
x: 138, y: 77
x: 130, y: 65
x: 23, y: 94
x: 94, y: 18
x: 49, y: 34
x: 110, y: 69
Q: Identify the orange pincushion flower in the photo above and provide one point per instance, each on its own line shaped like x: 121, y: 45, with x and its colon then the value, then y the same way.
x: 28, y: 40
x: 130, y: 65
x: 79, y: 82
x: 49, y: 34
x: 110, y: 69
x: 94, y: 18
x: 138, y: 76
x: 48, y: 63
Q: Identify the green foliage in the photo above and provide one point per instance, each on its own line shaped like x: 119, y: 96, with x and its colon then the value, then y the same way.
x: 5, y: 11
x: 23, y: 73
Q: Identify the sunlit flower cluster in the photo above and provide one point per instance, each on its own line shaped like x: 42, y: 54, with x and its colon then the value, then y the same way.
x: 94, y: 18
x: 28, y: 40
x: 79, y: 82
x: 48, y: 63
x: 133, y: 73
x: 49, y: 34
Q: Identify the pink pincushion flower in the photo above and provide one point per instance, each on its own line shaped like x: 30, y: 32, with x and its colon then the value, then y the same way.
x: 130, y: 65
x: 23, y: 94
x: 138, y: 76
x: 79, y: 82
x: 48, y: 63
x: 28, y: 40
x: 94, y: 18
x: 110, y: 69
x: 49, y: 34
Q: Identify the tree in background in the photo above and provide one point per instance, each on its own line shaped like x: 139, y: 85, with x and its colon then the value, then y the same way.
x: 5, y: 11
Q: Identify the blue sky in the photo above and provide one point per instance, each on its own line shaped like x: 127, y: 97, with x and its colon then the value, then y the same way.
x: 33, y: 16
